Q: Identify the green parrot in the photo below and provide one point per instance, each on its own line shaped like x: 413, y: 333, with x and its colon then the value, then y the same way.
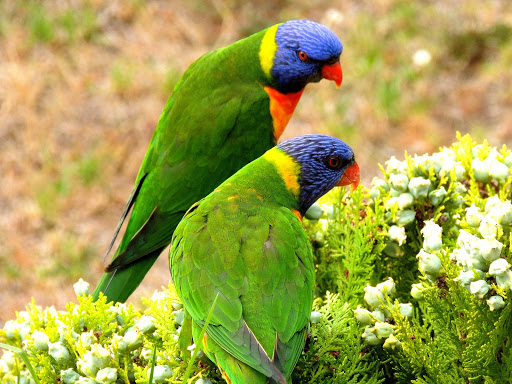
x: 229, y: 107
x: 244, y: 246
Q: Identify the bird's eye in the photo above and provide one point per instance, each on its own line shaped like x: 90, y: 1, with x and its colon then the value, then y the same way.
x: 333, y: 162
x: 302, y: 55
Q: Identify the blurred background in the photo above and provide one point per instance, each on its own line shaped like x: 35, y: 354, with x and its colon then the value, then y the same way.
x: 82, y: 85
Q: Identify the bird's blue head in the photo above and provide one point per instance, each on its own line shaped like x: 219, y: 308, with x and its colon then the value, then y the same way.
x: 298, y: 52
x: 324, y: 162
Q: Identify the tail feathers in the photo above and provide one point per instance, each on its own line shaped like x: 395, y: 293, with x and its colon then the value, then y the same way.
x: 233, y: 370
x: 236, y: 372
x: 120, y: 285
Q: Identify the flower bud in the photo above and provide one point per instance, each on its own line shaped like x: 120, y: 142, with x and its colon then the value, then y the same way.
x: 203, y: 381
x: 461, y: 257
x: 466, y: 277
x: 374, y: 193
x: 94, y: 360
x: 11, y: 329
x: 508, y: 160
x: 420, y: 187
x: 481, y: 170
x: 391, y: 342
x: 101, y: 355
x: 69, y: 376
x: 460, y: 171
x: 490, y: 249
x: 404, y: 218
x: 405, y: 200
x: 329, y: 210
x: 383, y: 330
x: 390, y: 203
x: 387, y: 287
x: 379, y: 183
x: 379, y: 315
x: 85, y: 380
x: 473, y: 216
x: 495, y: 302
x: 498, y: 170
x: 437, y: 196
x: 424, y: 161
x: 437, y: 162
x: 40, y: 340
x: 107, y: 375
x: 432, y: 243
x: 81, y: 288
x: 398, y: 182
x: 477, y: 151
x: 396, y: 166
x: 159, y: 295
x: 464, y: 240
x: 479, y: 288
x: 373, y: 296
x: 397, y: 234
x: 488, y: 227
x: 160, y: 373
x: 491, y: 203
x: 145, y: 324
x: 315, y: 317
x: 179, y: 316
x: 499, y: 267
x: 432, y: 236
x: 9, y: 360
x: 406, y: 309
x: 417, y: 291
x: 132, y: 340
x: 504, y: 280
x: 59, y: 352
x: 314, y: 212
x: 369, y: 337
x: 501, y: 213
x: 429, y: 263
x: 87, y: 339
x: 396, y: 194
x: 460, y: 188
x: 363, y: 315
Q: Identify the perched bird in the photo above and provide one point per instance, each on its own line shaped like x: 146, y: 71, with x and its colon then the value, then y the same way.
x: 228, y: 108
x: 244, y: 245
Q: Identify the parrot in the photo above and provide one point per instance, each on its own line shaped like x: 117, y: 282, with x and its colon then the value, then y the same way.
x: 229, y: 107
x: 243, y: 247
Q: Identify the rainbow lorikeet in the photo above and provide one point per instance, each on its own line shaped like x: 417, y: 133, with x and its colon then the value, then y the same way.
x: 244, y: 245
x: 229, y: 107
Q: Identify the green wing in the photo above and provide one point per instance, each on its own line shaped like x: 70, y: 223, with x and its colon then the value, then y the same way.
x: 215, y: 122
x: 257, y: 257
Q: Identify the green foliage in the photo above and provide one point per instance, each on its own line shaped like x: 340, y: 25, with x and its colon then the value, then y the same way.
x: 460, y: 326
x: 420, y: 275
x: 333, y: 354
x: 347, y: 242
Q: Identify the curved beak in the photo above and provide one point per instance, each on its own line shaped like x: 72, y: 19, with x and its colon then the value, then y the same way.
x: 350, y: 177
x: 333, y: 72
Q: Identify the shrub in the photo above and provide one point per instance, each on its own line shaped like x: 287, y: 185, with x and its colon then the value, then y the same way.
x: 413, y: 285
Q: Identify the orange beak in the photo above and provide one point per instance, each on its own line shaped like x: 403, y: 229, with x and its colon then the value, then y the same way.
x: 333, y: 72
x: 350, y: 177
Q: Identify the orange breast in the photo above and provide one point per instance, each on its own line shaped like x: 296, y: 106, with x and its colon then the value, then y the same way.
x: 281, y: 108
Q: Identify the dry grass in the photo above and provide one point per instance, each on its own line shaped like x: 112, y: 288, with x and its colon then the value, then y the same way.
x: 82, y: 84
